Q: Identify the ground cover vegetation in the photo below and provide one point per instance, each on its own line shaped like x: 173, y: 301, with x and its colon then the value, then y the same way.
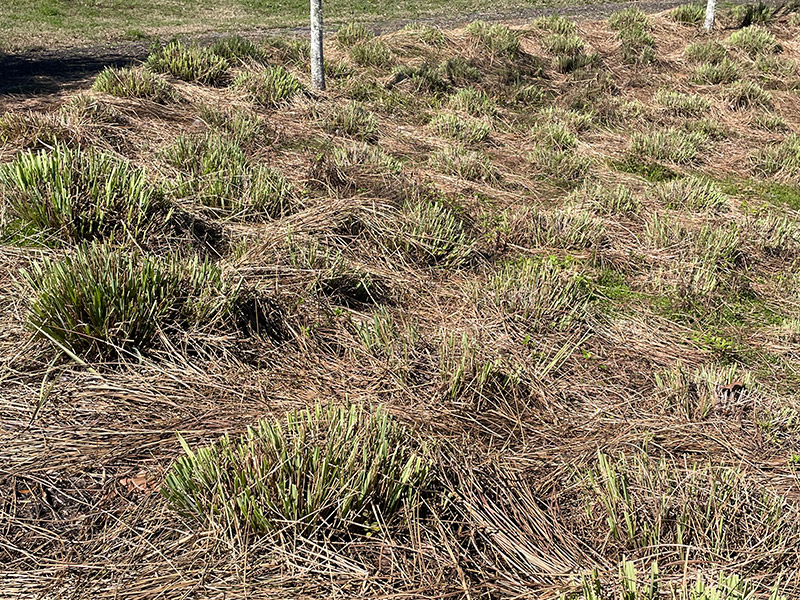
x: 504, y: 313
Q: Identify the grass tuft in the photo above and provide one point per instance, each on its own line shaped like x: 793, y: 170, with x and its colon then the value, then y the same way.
x: 70, y: 196
x: 333, y: 469
x: 747, y: 94
x: 104, y: 301
x: 352, y: 120
x: 372, y: 53
x: 670, y: 145
x: 461, y: 129
x: 134, y: 83
x: 189, y: 63
x: 677, y: 103
x: 688, y: 13
x: 469, y: 164
x: 754, y: 41
x: 496, y: 38
x: 270, y: 87
x: 692, y: 193
x: 352, y: 34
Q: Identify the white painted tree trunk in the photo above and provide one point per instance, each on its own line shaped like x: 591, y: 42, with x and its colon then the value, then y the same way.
x: 317, y: 64
x: 711, y: 7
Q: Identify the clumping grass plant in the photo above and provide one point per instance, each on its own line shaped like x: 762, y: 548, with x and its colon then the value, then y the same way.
x: 72, y: 195
x: 324, y: 470
x: 189, y: 63
x: 134, y: 83
x: 104, y: 301
x: 270, y: 87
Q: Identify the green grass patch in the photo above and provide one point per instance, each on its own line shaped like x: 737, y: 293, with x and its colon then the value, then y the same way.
x: 326, y: 471
x: 680, y: 104
x: 497, y: 39
x: 214, y: 171
x: 461, y: 162
x: 70, y: 196
x: 353, y: 33
x: 670, y: 145
x: 352, y: 120
x: 270, y: 87
x: 107, y: 302
x: 134, y: 83
x: 693, y: 14
x: 372, y: 53
x: 714, y: 73
x: 754, y: 41
x: 461, y: 129
x: 189, y: 63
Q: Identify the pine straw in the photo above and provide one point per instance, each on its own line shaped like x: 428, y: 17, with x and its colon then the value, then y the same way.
x: 84, y: 448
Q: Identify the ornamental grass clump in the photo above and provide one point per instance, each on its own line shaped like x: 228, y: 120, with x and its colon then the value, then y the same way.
x: 325, y: 471
x: 108, y: 302
x: 72, y: 195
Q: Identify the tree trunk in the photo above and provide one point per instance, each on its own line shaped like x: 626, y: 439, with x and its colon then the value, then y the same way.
x: 711, y: 7
x: 317, y: 65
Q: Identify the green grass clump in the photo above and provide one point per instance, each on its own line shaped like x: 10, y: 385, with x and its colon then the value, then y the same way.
x: 215, y: 172
x: 372, y: 53
x: 682, y: 104
x: 689, y: 13
x: 563, y: 44
x: 637, y: 45
x: 432, y: 233
x: 353, y: 33
x: 640, y: 586
x: 460, y: 162
x: 69, y: 196
x: 345, y: 157
x: 777, y: 66
x: 555, y: 135
x: 270, y: 87
x: 103, y: 301
x: 34, y: 129
x: 706, y: 52
x: 352, y: 120
x: 291, y: 50
x: 425, y: 78
x: 754, y: 40
x: 725, y: 71
x: 745, y: 94
x: 745, y: 15
x: 556, y: 24
x: 769, y: 121
x: 460, y: 71
x: 569, y: 229
x: 496, y: 38
x: 134, y: 83
x: 692, y: 193
x: 235, y: 48
x: 563, y: 167
x: 668, y: 510
x: 670, y: 145
x: 781, y: 159
x: 619, y: 200
x: 242, y: 126
x: 540, y: 293
x: 776, y: 234
x: 461, y: 129
x: 432, y: 36
x: 474, y: 102
x: 628, y: 18
x: 324, y: 470
x: 189, y: 63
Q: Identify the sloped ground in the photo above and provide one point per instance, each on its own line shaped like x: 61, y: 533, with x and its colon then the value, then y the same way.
x: 567, y: 262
